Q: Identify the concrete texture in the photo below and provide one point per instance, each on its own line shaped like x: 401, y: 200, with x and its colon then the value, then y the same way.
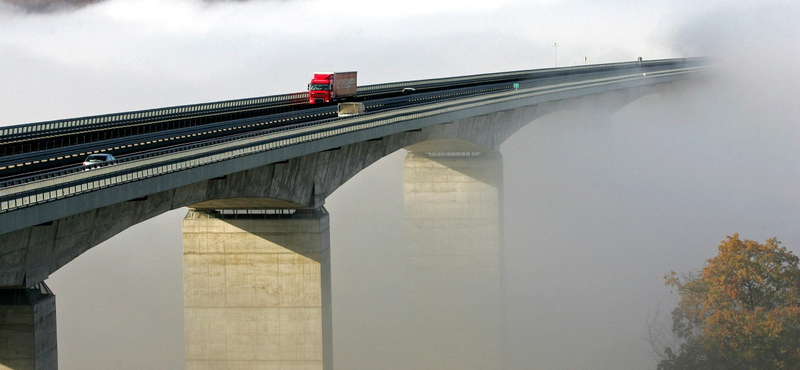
x: 28, y: 331
x: 257, y: 291
x: 453, y: 220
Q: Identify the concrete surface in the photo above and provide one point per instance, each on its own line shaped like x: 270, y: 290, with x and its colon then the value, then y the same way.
x: 27, y: 330
x: 257, y: 291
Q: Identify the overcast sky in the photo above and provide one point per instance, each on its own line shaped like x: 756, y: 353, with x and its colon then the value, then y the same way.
x: 596, y: 210
x: 120, y: 54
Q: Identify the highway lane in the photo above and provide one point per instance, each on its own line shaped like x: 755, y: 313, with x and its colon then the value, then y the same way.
x: 15, y: 165
x: 47, y: 135
x: 59, y: 158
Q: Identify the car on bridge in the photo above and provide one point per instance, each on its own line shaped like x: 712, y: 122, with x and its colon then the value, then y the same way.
x: 96, y: 160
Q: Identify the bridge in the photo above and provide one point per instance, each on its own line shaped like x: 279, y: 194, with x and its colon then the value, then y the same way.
x: 255, y: 173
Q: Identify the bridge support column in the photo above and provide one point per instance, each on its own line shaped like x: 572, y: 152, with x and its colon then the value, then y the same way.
x: 28, y: 329
x: 257, y: 290
x: 453, y: 219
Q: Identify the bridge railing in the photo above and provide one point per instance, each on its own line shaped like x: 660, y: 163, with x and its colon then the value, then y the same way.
x: 160, y: 113
x: 173, y: 160
x: 32, y: 128
x: 520, y: 74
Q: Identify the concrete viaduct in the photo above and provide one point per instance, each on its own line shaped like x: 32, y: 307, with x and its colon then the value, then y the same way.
x: 453, y: 174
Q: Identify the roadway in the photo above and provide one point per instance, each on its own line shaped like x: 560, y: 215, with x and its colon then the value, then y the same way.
x: 29, y: 155
x: 148, y: 146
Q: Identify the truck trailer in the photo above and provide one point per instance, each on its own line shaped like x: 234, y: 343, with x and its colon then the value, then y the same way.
x: 332, y: 86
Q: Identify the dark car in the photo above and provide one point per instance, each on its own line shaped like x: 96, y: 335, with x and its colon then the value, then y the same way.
x: 95, y: 160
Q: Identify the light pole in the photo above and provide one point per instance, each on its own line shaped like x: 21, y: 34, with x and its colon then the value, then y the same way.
x: 555, y: 54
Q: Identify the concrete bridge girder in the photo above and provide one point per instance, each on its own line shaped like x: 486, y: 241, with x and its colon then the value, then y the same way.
x: 29, y: 255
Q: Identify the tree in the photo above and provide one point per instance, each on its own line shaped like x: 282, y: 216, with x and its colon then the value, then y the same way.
x: 741, y: 312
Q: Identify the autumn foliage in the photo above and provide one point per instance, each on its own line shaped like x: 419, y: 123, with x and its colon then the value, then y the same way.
x: 741, y: 312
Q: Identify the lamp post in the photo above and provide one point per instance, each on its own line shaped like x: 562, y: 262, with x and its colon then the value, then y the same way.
x: 555, y: 54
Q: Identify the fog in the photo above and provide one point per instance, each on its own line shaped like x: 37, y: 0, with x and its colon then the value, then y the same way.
x: 597, y: 209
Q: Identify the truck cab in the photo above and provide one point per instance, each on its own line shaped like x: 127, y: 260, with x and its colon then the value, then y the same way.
x: 319, y: 90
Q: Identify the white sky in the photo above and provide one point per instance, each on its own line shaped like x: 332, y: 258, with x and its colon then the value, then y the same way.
x: 136, y: 54
x: 125, y: 54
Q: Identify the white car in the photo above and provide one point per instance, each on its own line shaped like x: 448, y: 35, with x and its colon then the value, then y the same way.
x: 94, y: 160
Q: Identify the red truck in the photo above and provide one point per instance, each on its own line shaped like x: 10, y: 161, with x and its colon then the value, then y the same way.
x: 330, y: 86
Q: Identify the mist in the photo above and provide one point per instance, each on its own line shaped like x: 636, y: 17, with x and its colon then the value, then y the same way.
x: 596, y: 210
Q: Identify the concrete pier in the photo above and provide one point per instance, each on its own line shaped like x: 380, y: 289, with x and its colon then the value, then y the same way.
x: 453, y: 219
x: 28, y: 329
x: 257, y: 290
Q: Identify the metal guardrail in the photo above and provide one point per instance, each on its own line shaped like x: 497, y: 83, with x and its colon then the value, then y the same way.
x: 150, y: 113
x: 158, y: 113
x: 21, y: 196
x: 519, y: 74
